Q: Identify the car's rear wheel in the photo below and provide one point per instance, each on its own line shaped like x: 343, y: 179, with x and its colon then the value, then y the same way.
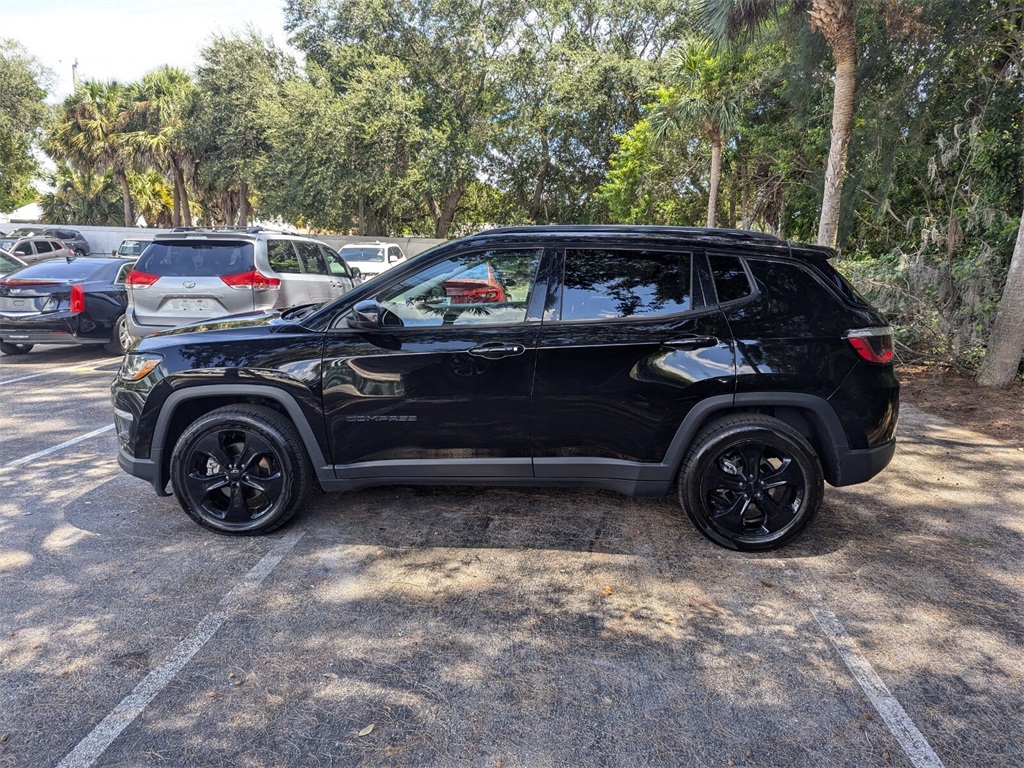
x: 120, y: 338
x: 15, y: 349
x: 750, y: 482
x: 240, y: 470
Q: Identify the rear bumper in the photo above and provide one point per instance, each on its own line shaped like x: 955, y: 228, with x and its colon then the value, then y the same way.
x: 861, y: 465
x: 43, y: 331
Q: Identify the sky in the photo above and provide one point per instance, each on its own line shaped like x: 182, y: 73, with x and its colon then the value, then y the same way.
x: 125, y: 39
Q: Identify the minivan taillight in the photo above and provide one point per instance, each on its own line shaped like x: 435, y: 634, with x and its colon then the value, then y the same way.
x: 77, y: 299
x: 872, y: 344
x: 252, y: 279
x: 138, y: 279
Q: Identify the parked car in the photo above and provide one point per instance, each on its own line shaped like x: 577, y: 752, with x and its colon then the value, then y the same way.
x: 132, y: 246
x: 736, y: 367
x: 195, y: 274
x: 372, y: 258
x: 38, y: 248
x: 72, y: 239
x: 9, y: 262
x: 73, y: 301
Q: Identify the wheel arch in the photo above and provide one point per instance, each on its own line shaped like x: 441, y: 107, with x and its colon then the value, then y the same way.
x: 810, y: 415
x: 185, y: 405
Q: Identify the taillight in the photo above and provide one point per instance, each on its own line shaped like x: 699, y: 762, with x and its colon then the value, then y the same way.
x: 872, y: 344
x: 77, y: 299
x: 252, y: 279
x: 15, y: 283
x: 138, y: 279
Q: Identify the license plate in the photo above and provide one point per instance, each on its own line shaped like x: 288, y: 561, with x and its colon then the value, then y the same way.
x: 191, y: 305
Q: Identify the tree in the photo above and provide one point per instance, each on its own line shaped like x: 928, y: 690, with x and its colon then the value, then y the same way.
x: 836, y: 21
x: 1006, y: 343
x: 239, y: 80
x: 90, y: 133
x: 162, y: 102
x: 701, y: 96
x: 22, y: 112
x: 88, y: 198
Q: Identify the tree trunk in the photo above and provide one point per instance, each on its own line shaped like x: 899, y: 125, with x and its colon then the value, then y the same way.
x: 836, y: 20
x: 243, y: 204
x: 1006, y: 344
x: 716, y: 177
x: 181, y: 192
x: 129, y: 220
x: 542, y: 175
x: 446, y: 215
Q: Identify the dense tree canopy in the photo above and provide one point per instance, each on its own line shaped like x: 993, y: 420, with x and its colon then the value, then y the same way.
x: 22, y: 111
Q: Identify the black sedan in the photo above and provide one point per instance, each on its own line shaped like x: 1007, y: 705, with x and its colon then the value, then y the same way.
x: 65, y: 301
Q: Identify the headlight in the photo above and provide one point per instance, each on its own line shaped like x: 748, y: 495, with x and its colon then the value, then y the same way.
x: 138, y: 365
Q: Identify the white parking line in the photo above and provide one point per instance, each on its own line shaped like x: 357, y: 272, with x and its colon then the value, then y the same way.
x: 896, y: 718
x: 55, y: 448
x: 86, y: 366
x: 124, y: 714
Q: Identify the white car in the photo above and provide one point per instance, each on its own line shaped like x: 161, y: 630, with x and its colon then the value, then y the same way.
x: 372, y: 258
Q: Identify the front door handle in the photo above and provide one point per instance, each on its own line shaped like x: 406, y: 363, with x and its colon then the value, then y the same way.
x: 691, y: 342
x: 497, y: 350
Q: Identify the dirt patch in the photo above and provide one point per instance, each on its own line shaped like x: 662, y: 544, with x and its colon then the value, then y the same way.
x: 998, y: 413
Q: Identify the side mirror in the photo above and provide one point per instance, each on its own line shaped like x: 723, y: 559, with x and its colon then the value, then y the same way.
x: 365, y: 315
x: 356, y: 273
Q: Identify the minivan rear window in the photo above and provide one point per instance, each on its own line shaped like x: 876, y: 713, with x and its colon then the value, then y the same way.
x: 184, y: 258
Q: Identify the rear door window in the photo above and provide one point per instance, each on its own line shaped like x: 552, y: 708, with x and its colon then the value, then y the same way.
x: 731, y: 282
x: 602, y: 284
x: 310, y: 258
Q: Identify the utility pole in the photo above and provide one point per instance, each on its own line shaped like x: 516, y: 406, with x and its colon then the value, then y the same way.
x: 74, y: 75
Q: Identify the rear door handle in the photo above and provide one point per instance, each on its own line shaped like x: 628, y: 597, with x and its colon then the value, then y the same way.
x: 497, y: 350
x: 691, y: 342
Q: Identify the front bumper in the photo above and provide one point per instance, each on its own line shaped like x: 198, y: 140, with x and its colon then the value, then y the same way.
x: 144, y: 469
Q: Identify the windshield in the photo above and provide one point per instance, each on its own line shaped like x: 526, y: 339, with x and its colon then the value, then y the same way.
x: 373, y: 253
x: 132, y: 247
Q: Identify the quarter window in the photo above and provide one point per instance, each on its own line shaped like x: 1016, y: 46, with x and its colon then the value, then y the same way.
x: 604, y: 284
x: 483, y: 288
x: 282, y: 257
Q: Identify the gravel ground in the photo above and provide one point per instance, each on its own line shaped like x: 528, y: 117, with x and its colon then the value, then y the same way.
x: 498, y: 627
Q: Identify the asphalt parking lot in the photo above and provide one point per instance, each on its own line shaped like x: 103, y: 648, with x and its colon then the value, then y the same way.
x: 468, y: 627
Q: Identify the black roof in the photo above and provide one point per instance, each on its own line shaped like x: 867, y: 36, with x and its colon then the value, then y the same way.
x: 690, y: 235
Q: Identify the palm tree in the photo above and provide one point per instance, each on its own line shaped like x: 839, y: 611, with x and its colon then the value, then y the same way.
x: 91, y: 134
x: 162, y: 101
x: 87, y: 198
x: 836, y: 21
x: 701, y: 97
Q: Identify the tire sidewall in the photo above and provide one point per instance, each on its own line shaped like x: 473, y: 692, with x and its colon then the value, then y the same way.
x: 701, y: 458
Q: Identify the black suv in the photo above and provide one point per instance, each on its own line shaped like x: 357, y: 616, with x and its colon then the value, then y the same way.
x: 741, y: 369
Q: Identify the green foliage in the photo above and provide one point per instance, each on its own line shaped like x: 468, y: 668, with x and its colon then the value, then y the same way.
x: 22, y: 112
x: 89, y: 198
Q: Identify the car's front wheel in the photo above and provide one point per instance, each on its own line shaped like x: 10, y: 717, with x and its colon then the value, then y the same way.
x: 15, y: 349
x: 750, y: 482
x: 240, y: 470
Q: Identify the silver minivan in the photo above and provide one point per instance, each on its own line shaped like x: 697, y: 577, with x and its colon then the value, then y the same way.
x: 192, y: 275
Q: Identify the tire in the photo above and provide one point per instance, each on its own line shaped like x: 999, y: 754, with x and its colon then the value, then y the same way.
x: 79, y: 253
x: 120, y: 339
x: 750, y: 482
x: 241, y: 470
x: 15, y: 349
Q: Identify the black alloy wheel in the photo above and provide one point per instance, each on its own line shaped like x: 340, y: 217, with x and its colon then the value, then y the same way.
x: 15, y: 349
x: 751, y: 482
x: 240, y: 470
